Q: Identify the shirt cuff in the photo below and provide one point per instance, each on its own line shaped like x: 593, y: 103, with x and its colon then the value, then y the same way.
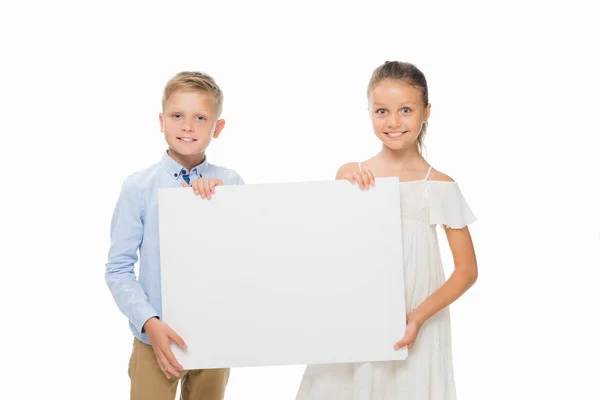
x: 145, y: 314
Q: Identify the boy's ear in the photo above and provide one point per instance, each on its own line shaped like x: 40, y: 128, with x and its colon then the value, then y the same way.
x: 218, y: 128
x: 162, y: 122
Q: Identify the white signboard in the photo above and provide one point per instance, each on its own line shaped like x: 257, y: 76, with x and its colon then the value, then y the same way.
x: 283, y: 274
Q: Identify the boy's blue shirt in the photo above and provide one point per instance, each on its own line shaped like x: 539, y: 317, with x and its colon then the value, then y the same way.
x: 134, y: 227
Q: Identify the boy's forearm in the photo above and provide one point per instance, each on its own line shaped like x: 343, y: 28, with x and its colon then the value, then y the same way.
x: 129, y: 295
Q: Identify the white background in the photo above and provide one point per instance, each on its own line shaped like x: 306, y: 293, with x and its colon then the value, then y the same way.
x: 514, y: 91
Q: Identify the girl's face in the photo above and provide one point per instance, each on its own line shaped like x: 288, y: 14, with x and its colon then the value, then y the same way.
x: 397, y: 113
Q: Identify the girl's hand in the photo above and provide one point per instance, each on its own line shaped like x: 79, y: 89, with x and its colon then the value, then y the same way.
x: 205, y: 187
x: 413, y: 326
x: 364, y: 178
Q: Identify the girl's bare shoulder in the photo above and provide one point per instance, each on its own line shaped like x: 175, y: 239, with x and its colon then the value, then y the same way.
x: 439, y: 176
x: 346, y: 169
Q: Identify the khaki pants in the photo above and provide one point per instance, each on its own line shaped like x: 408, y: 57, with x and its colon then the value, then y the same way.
x: 148, y: 382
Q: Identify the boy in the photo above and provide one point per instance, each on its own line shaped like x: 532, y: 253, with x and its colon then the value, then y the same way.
x: 192, y: 103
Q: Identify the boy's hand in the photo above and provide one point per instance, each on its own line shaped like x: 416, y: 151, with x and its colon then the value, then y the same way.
x: 364, y: 178
x: 205, y: 187
x: 160, y: 335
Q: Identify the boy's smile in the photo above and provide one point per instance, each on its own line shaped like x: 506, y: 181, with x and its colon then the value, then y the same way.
x: 186, y: 139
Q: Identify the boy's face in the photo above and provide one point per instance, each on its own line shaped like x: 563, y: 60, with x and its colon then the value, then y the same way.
x: 189, y: 122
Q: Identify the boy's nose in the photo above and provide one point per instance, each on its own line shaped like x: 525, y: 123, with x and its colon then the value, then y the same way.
x: 186, y: 127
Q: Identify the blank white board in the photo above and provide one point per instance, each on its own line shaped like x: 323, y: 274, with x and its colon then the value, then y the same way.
x: 283, y: 274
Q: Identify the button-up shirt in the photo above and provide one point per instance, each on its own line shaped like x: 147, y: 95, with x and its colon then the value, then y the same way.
x: 134, y: 228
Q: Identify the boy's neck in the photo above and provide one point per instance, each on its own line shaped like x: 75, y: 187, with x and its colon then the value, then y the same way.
x: 187, y: 162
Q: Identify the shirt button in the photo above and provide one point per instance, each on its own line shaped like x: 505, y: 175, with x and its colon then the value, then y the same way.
x: 175, y: 174
x: 200, y: 175
x: 183, y: 172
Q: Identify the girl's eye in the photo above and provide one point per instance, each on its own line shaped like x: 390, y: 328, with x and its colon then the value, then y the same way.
x: 406, y: 110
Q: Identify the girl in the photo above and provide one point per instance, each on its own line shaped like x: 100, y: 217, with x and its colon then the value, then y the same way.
x: 399, y: 108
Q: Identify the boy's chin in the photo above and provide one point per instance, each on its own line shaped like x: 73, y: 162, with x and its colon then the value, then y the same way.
x: 186, y: 151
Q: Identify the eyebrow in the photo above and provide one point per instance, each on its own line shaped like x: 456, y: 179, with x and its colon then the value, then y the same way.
x: 177, y: 110
x: 406, y: 102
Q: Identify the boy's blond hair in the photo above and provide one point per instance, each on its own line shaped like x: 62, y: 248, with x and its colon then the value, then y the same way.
x: 192, y: 80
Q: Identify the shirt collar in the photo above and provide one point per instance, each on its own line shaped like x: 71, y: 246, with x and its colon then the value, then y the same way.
x: 175, y: 169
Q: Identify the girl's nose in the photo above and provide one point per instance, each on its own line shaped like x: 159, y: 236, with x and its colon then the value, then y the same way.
x: 394, y: 121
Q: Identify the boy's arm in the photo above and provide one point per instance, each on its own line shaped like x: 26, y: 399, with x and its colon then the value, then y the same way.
x: 239, y: 180
x: 127, y: 228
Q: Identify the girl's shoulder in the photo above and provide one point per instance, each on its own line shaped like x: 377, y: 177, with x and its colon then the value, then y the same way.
x: 438, y: 176
x: 347, y: 169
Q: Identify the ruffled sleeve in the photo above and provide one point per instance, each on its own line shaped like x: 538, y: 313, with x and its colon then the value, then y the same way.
x: 447, y: 206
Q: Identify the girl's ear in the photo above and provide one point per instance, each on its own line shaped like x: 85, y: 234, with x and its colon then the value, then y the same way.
x: 427, y: 112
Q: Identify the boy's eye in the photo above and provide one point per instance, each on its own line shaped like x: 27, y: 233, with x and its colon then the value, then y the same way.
x: 380, y: 111
x: 176, y: 115
x: 200, y: 118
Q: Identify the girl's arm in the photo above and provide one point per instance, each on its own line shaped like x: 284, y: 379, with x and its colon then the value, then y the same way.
x: 463, y: 276
x: 461, y: 279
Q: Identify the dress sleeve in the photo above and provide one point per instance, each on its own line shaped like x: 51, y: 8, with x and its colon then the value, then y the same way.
x: 448, y: 206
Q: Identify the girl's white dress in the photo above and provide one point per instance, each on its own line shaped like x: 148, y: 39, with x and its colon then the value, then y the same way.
x: 427, y: 373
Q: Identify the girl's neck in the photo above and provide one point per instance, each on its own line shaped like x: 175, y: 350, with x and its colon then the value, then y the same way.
x: 402, y: 160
